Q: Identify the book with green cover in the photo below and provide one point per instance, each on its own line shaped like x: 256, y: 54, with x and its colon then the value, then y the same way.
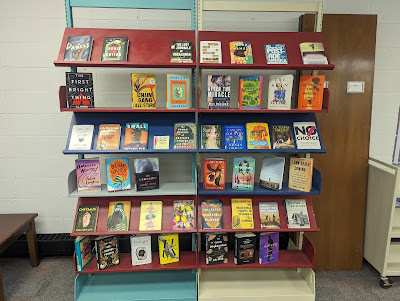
x: 115, y: 49
x: 243, y: 173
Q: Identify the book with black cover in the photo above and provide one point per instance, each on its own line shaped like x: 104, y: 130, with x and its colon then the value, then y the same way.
x: 115, y: 49
x: 107, y: 251
x: 79, y: 90
x: 181, y: 52
x: 216, y: 248
x: 244, y: 248
x: 147, y: 173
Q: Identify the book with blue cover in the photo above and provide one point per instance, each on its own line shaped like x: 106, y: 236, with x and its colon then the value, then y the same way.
x: 269, y: 247
x: 235, y: 137
x: 83, y: 252
x: 78, y: 48
x: 276, y: 54
x: 118, y: 174
x: 243, y: 173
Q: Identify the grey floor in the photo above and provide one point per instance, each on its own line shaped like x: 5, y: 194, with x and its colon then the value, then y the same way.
x: 53, y: 280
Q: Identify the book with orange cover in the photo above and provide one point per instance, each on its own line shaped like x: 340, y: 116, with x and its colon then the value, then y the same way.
x: 108, y: 137
x: 214, y: 170
x: 311, y: 91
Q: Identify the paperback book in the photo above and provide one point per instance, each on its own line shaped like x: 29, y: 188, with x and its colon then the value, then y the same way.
x: 118, y: 174
x: 143, y: 91
x: 242, y: 214
x: 216, y: 248
x: 276, y: 54
x: 183, y: 215
x: 281, y: 137
x: 83, y: 253
x: 88, y: 175
x: 107, y: 251
x: 250, y: 92
x: 258, y: 135
x: 150, y: 216
x: 218, y: 91
x: 108, y: 137
x: 243, y: 173
x: 178, y: 91
x: 181, y: 52
x: 210, y: 52
x: 245, y: 246
x: 81, y: 137
x: 136, y: 135
x: 235, y: 137
x: 269, y: 247
x: 311, y: 92
x: 269, y: 215
x: 161, y: 142
x: 214, y: 170
x: 79, y: 88
x: 147, y: 173
x: 280, y: 92
x: 210, y: 137
x: 168, y: 246
x: 185, y: 135
x: 115, y: 49
x: 86, y: 218
x: 141, y: 249
x: 271, y: 175
x: 300, y: 174
x: 119, y: 214
x: 241, y: 52
x: 297, y: 214
x: 78, y: 48
x: 306, y: 135
x: 211, y: 214
x: 313, y: 53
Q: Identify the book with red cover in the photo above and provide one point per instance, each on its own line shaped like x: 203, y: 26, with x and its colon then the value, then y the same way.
x: 311, y: 92
x: 214, y: 170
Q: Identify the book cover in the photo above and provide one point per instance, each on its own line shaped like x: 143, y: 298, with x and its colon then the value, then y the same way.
x: 258, y: 135
x: 243, y: 173
x: 119, y: 214
x: 181, y: 52
x: 118, y: 174
x: 115, y: 49
x: 185, y: 135
x: 161, y: 142
x: 241, y: 52
x: 150, y: 216
x: 271, y: 175
x: 210, y: 52
x: 306, y: 135
x: 108, y: 137
x: 88, y: 175
x: 83, y: 253
x: 81, y: 137
x: 276, y: 53
x: 141, y: 249
x: 216, y: 248
x: 281, y: 137
x: 218, y: 91
x: 143, y: 91
x: 245, y: 246
x: 210, y: 137
x: 136, y: 135
x: 311, y: 92
x: 269, y: 247
x: 313, y: 53
x: 168, y: 245
x: 214, y: 170
x: 86, y: 218
x: 242, y: 214
x: 269, y: 215
x: 280, y: 92
x: 183, y: 215
x: 300, y: 174
x: 178, y: 91
x: 297, y: 214
x: 107, y: 251
x: 250, y: 92
x: 147, y: 173
x: 78, y: 48
x: 235, y: 137
x: 211, y: 214
x: 79, y: 88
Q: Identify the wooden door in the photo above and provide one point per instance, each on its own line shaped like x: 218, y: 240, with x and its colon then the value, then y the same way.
x: 345, y: 131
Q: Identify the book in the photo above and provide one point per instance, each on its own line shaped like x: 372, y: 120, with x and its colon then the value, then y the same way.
x: 86, y: 218
x: 313, y: 53
x: 150, y: 216
x: 115, y: 49
x: 181, y: 52
x: 211, y: 214
x: 147, y: 173
x: 118, y: 174
x: 281, y: 137
x: 161, y: 142
x: 183, y: 215
x: 141, y: 249
x: 271, y: 175
x: 269, y: 247
x: 275, y: 53
x: 214, y: 170
x: 178, y: 91
x: 168, y: 246
x: 210, y: 137
x: 235, y: 137
x: 136, y: 135
x: 185, y: 135
x: 269, y: 215
x: 79, y: 88
x: 119, y: 214
x: 250, y: 92
x: 243, y: 173
x: 258, y: 135
x: 300, y: 174
x: 143, y: 91
x: 397, y: 202
x: 306, y: 135
x: 280, y: 92
x: 88, y: 175
x: 216, y: 248
x: 210, y: 52
x: 241, y: 52
x: 311, y: 92
x: 242, y: 214
x: 108, y: 136
x: 245, y: 246
x: 107, y: 251
x: 297, y: 214
x: 81, y: 137
x: 218, y: 91
x: 78, y: 48
x: 83, y: 252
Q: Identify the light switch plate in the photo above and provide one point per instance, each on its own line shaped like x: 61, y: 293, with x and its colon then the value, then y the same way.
x: 355, y: 87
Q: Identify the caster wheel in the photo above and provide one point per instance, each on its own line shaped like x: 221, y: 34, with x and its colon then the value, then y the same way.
x: 386, y: 283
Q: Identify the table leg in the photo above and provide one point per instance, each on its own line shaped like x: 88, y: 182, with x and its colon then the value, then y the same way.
x: 32, y: 244
x: 1, y: 288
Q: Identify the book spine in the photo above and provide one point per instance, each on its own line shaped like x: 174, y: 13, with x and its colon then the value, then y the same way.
x: 78, y: 256
x: 235, y: 258
x: 240, y: 94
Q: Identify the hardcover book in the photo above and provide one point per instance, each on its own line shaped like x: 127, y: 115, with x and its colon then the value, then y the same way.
x: 250, y: 92
x: 297, y: 214
x: 143, y: 91
x: 311, y: 92
x: 108, y: 137
x: 211, y: 214
x: 181, y: 52
x: 271, y: 175
x: 115, y: 49
x: 245, y: 246
x: 216, y: 248
x: 83, y: 253
x: 258, y: 135
x: 306, y: 135
x: 210, y: 137
x: 210, y: 52
x: 242, y: 214
x: 183, y: 218
x: 281, y: 137
x: 214, y: 174
x: 241, y: 52
x: 178, y: 91
x: 269, y: 247
x: 78, y: 48
x: 243, y: 173
x: 86, y: 218
x: 118, y: 174
x: 88, y: 175
x: 147, y: 173
x: 119, y: 214
x: 81, y: 137
x: 79, y: 88
x: 269, y: 215
x: 280, y: 92
x: 185, y: 135
x: 218, y: 91
x: 235, y: 137
x: 150, y: 216
x: 141, y: 249
x: 313, y: 53
x: 168, y: 246
x: 136, y: 135
x: 276, y: 54
x: 107, y: 251
x: 161, y: 142
x: 300, y: 174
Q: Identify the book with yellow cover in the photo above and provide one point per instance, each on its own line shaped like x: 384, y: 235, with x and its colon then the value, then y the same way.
x: 168, y: 246
x: 300, y: 174
x: 241, y: 52
x: 150, y: 215
x: 108, y: 137
x: 143, y: 91
x: 119, y: 214
x: 258, y: 135
x: 242, y: 214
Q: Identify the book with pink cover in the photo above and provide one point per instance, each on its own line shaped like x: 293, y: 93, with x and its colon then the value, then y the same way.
x: 88, y: 175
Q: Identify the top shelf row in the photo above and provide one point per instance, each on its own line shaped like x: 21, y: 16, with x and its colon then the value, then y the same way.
x: 152, y: 48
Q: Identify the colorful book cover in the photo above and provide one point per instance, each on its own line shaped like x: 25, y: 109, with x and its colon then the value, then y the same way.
x: 178, y: 91
x: 218, y: 91
x: 118, y: 174
x: 185, y: 135
x: 78, y: 48
x: 86, y: 218
x: 108, y: 136
x: 168, y: 245
x: 107, y: 251
x: 311, y: 92
x: 183, y: 218
x: 150, y: 216
x: 242, y: 214
x: 243, y: 173
x: 211, y: 214
x: 281, y: 137
x: 181, y: 52
x: 216, y: 248
x: 214, y: 170
x: 269, y: 247
x: 300, y: 174
x: 79, y: 90
x: 210, y: 137
x: 245, y: 246
x: 271, y: 175
x: 258, y: 135
x: 141, y: 249
x: 313, y: 53
x: 235, y: 137
x: 136, y: 135
x: 143, y: 91
x: 147, y: 173
x: 119, y: 214
x: 83, y: 253
x: 297, y: 214
x: 250, y: 92
x: 81, y: 137
x: 161, y: 142
x: 241, y: 52
x: 276, y: 53
x: 115, y: 49
x: 280, y: 92
x: 306, y: 135
x: 269, y: 215
x: 210, y: 52
x: 88, y: 175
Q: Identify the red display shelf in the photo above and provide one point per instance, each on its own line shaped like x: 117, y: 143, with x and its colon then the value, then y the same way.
x: 103, y: 203
x: 258, y: 40
x: 227, y: 213
x: 147, y: 48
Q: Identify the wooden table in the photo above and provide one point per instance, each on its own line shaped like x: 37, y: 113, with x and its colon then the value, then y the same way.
x: 12, y: 226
